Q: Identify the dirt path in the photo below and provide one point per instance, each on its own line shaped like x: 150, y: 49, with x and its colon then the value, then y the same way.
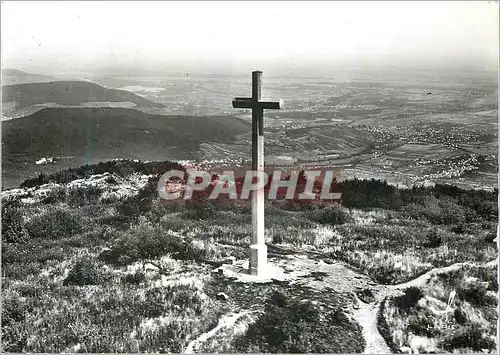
x: 422, y: 279
x: 366, y: 316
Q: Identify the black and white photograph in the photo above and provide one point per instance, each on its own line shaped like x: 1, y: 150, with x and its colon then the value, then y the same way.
x: 249, y: 177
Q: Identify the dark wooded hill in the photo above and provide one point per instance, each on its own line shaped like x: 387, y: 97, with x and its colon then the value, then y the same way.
x: 83, y: 135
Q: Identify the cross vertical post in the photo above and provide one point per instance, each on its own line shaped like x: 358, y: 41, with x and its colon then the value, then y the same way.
x: 258, y: 248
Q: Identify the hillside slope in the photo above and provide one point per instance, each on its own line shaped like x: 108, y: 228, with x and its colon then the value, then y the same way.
x: 78, y: 136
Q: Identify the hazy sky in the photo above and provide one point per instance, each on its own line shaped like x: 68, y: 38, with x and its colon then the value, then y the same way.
x: 60, y: 36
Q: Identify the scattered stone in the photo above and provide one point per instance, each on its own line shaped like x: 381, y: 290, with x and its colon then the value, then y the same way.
x: 366, y: 295
x: 44, y: 161
x: 355, y: 306
x: 317, y: 275
x: 221, y: 296
x: 328, y: 261
x: 230, y: 260
x: 405, y: 350
x: 150, y: 267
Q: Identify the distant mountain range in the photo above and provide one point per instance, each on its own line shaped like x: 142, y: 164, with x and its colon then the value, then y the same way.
x: 76, y: 136
x: 15, y: 76
x: 22, y: 96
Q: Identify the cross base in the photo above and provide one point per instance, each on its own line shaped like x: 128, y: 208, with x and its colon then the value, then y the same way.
x: 258, y: 259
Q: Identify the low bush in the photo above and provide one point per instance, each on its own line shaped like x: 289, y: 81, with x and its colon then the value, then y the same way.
x: 55, y: 195
x: 54, y: 224
x: 422, y: 323
x: 13, y: 227
x: 139, y: 204
x: 333, y: 214
x: 200, y: 207
x: 438, y: 211
x: 460, y: 316
x: 433, y: 239
x: 409, y: 300
x: 84, y: 195
x: 144, y: 240
x: 488, y: 274
x: 86, y: 271
x: 476, y: 293
x: 469, y: 337
x: 135, y: 278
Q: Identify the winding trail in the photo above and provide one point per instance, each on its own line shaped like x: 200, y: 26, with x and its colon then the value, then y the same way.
x: 423, y: 279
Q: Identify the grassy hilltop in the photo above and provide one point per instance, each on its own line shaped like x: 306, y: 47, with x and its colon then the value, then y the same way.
x: 92, y: 261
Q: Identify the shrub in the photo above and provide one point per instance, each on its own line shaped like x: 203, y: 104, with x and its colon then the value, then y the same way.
x: 55, y: 195
x: 135, y: 278
x: 367, y: 193
x: 86, y: 271
x: 199, y: 207
x: 422, y: 324
x: 468, y: 337
x: 139, y: 204
x: 180, y: 297
x: 490, y: 237
x: 433, y: 239
x: 436, y: 211
x: 13, y: 226
x: 143, y: 241
x: 332, y: 214
x: 452, y: 213
x: 54, y: 224
x: 84, y: 195
x: 460, y: 316
x: 409, y: 300
x: 476, y: 294
x: 489, y: 275
x: 39, y: 180
x: 202, y: 250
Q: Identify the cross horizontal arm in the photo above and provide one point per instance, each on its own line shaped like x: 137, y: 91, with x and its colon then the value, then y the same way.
x: 244, y: 102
